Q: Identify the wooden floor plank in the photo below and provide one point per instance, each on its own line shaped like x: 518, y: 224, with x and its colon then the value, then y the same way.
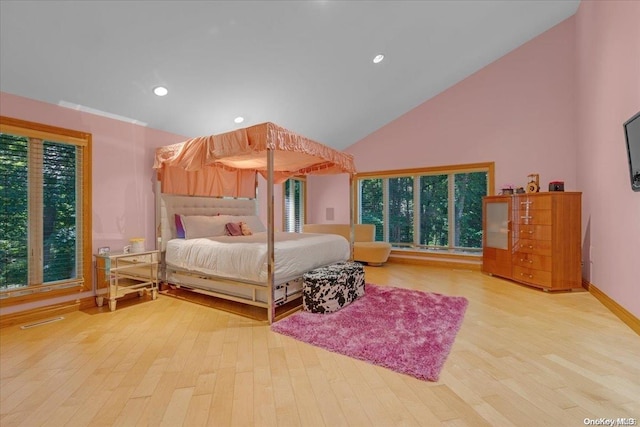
x: 198, y: 410
x: 283, y: 394
x: 177, y: 408
x: 522, y: 357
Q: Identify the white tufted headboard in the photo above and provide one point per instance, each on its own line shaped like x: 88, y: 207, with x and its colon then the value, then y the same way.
x: 171, y: 204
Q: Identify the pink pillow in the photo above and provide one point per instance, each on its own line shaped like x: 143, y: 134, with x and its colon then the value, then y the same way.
x: 234, y: 228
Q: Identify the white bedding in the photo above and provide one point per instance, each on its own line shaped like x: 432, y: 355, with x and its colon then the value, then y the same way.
x: 245, y: 257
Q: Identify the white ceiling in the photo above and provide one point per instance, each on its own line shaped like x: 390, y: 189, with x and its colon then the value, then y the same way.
x: 304, y: 65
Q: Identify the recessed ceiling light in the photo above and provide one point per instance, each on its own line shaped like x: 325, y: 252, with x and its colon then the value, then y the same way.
x: 378, y: 58
x: 160, y: 90
x: 239, y: 119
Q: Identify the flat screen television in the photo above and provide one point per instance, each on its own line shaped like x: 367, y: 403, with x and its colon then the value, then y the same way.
x: 632, y: 135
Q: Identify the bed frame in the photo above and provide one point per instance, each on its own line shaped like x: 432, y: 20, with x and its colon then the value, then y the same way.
x: 251, y: 293
x: 251, y: 148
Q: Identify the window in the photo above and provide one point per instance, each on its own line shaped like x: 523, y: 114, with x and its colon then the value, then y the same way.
x: 45, y: 241
x: 431, y: 209
x: 294, y: 203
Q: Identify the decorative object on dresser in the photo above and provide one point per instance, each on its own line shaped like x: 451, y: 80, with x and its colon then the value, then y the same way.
x: 534, y: 238
x: 556, y: 186
x: 507, y: 189
x: 533, y: 183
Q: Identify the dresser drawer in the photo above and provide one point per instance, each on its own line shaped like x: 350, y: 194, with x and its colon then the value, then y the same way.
x: 534, y: 261
x: 534, y: 216
x: 530, y: 246
x: 529, y: 275
x: 532, y: 232
x: 534, y: 202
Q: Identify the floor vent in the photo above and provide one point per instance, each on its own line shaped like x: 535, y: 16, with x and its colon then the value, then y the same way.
x: 42, y: 322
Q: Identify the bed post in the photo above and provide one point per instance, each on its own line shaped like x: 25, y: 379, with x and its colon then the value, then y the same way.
x: 270, y: 235
x: 352, y: 190
x: 159, y: 241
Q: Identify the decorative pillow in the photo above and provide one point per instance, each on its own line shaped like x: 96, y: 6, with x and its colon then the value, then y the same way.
x: 196, y: 226
x: 179, y: 227
x: 234, y: 228
x: 245, y: 229
x: 253, y: 221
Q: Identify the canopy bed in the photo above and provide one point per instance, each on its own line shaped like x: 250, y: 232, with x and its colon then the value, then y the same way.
x: 208, y: 192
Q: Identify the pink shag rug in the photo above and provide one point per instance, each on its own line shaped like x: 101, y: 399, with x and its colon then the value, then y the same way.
x: 404, y: 330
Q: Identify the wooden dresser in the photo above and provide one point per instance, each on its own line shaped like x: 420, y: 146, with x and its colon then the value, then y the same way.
x: 534, y: 239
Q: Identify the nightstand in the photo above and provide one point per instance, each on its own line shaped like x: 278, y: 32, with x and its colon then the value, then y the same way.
x: 119, y: 274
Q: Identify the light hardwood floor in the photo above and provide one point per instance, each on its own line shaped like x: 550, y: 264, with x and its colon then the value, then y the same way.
x: 521, y: 358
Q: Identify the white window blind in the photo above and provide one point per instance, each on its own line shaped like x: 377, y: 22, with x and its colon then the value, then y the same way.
x: 294, y: 201
x: 41, y: 213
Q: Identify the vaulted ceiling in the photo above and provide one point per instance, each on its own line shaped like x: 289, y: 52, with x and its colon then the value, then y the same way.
x: 305, y: 65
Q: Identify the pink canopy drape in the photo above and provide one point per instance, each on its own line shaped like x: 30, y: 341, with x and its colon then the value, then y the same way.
x: 226, y: 164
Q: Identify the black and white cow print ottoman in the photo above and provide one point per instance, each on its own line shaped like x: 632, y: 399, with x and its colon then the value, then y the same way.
x: 328, y: 289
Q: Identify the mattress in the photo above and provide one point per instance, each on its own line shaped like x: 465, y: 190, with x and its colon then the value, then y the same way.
x: 245, y: 257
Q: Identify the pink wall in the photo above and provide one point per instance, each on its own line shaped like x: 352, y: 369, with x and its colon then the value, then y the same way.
x: 123, y: 179
x: 328, y: 192
x: 608, y: 63
x: 517, y: 112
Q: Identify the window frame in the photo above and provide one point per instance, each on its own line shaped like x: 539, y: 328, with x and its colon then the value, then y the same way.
x: 414, y: 249
x: 45, y: 291
x: 303, y: 219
